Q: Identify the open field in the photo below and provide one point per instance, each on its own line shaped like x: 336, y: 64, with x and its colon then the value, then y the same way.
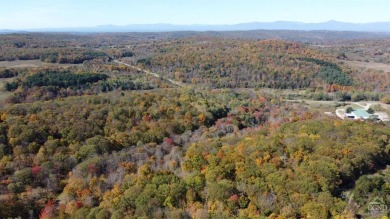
x: 317, y: 105
x: 369, y: 65
x: 30, y: 63
x: 343, y: 105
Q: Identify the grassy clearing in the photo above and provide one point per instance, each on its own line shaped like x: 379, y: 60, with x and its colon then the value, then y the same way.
x: 369, y: 65
x: 30, y: 63
x: 354, y: 106
x: 317, y: 106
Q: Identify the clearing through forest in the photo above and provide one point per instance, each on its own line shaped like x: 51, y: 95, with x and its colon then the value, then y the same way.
x: 369, y: 65
x: 30, y: 64
x: 150, y: 73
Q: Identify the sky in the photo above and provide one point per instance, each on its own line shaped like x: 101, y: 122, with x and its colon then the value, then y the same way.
x: 30, y: 14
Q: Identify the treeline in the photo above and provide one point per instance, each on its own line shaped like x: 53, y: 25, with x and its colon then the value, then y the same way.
x: 120, y: 53
x: 342, y: 96
x: 62, y: 48
x: 8, y: 73
x: 321, y: 63
x: 333, y: 75
x: 53, y: 82
x: 330, y: 72
x: 131, y: 82
x: 62, y: 79
x: 52, y: 55
x: 71, y: 56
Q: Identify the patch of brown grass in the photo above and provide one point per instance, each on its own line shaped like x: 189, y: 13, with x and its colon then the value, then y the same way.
x: 30, y: 63
x: 369, y: 65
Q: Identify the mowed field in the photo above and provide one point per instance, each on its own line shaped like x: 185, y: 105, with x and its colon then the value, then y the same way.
x: 369, y: 65
x: 30, y: 63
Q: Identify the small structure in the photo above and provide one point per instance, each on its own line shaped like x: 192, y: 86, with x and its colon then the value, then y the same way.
x: 361, y: 114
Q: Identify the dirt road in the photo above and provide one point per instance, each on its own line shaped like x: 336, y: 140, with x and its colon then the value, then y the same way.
x: 150, y: 73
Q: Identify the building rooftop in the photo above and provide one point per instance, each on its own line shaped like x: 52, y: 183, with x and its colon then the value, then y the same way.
x: 360, y: 113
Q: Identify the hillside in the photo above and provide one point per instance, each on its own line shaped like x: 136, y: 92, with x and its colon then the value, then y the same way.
x: 149, y: 155
x: 254, y: 64
x: 192, y: 125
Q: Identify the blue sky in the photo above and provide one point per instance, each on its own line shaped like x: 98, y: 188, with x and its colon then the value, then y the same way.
x: 17, y: 14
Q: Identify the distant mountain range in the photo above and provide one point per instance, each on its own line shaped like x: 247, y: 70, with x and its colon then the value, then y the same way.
x: 277, y: 25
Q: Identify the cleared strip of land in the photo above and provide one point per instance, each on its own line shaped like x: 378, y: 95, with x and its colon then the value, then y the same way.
x: 30, y: 63
x: 369, y: 65
x: 150, y: 73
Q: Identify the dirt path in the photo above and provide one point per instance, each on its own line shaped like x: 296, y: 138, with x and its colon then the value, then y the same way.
x: 150, y: 73
x: 365, y: 107
x: 340, y: 113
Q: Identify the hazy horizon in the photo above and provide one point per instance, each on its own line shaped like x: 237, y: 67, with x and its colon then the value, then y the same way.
x: 194, y: 24
x: 25, y: 14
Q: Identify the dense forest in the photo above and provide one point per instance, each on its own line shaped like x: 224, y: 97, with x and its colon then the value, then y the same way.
x: 257, y: 64
x: 188, y: 125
